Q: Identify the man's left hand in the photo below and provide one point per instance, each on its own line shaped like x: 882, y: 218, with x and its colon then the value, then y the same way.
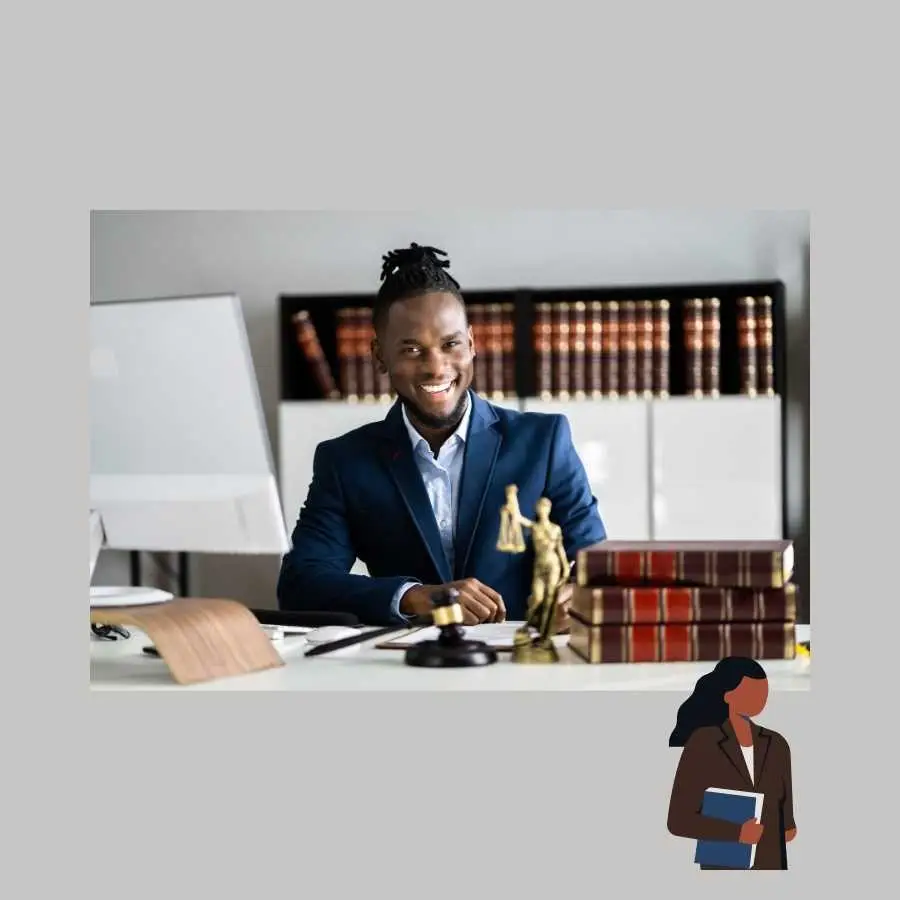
x: 563, y: 600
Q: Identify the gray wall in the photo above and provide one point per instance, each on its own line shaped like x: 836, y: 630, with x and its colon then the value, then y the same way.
x: 260, y: 255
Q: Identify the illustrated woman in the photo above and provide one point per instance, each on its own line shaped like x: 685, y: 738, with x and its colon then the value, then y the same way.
x: 724, y: 748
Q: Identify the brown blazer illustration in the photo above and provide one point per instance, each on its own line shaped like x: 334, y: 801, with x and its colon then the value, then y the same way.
x: 724, y: 749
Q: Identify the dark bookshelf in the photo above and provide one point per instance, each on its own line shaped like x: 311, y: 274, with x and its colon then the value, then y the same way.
x: 297, y: 383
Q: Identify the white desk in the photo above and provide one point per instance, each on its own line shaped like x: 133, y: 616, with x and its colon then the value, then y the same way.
x: 120, y: 665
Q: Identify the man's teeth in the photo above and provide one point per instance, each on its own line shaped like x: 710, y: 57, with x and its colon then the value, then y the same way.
x: 437, y: 388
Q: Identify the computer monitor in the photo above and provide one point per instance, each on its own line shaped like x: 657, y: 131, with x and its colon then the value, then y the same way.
x: 180, y: 454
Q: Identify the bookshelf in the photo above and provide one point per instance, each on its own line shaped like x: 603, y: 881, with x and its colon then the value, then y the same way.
x: 683, y: 449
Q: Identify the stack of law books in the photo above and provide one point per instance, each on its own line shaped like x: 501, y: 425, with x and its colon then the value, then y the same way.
x: 684, y: 601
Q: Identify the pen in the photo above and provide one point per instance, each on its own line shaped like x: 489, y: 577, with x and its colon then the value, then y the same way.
x: 319, y: 649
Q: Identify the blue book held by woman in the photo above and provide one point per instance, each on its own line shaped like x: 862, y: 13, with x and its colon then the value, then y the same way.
x: 732, y: 806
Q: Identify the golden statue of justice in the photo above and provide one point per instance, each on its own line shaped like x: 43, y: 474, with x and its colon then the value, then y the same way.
x: 551, y: 570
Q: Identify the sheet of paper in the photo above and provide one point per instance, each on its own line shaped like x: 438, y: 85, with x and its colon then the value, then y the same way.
x: 495, y: 634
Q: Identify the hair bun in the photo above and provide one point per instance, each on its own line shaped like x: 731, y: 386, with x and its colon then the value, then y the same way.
x: 414, y: 256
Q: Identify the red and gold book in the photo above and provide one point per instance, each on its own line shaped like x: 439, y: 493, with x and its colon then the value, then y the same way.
x: 712, y: 327
x: 561, y: 343
x: 699, y: 642
x: 749, y: 564
x: 543, y: 350
x: 308, y: 339
x: 365, y: 371
x: 628, y: 354
x: 508, y: 349
x: 747, y: 345
x: 494, y: 328
x: 594, y: 380
x: 645, y: 348
x: 693, y: 347
x: 765, y: 362
x: 346, y: 351
x: 618, y: 605
x: 661, y: 331
x: 609, y: 330
x: 578, y: 352
x: 477, y: 315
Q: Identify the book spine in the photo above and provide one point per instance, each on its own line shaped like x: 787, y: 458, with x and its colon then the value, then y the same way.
x: 693, y: 347
x: 365, y: 371
x: 543, y: 350
x: 578, y: 337
x: 661, y: 360
x: 765, y: 361
x: 561, y: 351
x: 747, y: 345
x: 628, y: 348
x: 596, y: 567
x: 495, y: 350
x: 644, y: 326
x: 610, y: 352
x: 616, y: 605
x: 311, y: 347
x: 508, y: 350
x: 595, y: 349
x: 477, y: 315
x: 711, y: 347
x: 346, y: 350
x: 698, y: 642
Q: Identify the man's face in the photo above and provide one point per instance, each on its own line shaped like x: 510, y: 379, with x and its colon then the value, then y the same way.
x: 427, y: 350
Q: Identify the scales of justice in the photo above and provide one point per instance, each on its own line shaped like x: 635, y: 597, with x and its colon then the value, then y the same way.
x: 551, y: 571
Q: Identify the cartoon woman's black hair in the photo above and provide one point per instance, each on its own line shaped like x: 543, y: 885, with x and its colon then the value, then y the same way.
x: 706, y: 705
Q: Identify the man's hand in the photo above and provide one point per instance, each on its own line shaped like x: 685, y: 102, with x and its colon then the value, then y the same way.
x: 790, y: 834
x: 479, y: 602
x: 563, y: 602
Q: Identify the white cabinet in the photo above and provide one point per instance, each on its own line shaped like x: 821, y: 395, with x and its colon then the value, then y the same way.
x: 302, y: 426
x: 679, y: 468
x: 716, y: 468
x: 612, y: 439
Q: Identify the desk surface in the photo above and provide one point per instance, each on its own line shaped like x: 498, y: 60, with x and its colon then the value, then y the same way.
x: 120, y: 665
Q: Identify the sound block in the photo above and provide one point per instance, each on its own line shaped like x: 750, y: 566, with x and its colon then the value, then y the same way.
x: 438, y: 654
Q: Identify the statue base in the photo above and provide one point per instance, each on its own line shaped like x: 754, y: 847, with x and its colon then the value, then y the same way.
x: 535, y: 653
x: 443, y: 655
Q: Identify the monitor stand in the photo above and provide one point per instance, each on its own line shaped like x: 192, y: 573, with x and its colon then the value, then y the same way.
x: 107, y: 597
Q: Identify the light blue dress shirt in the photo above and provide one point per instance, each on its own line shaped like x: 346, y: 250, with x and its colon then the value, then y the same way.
x: 441, y: 477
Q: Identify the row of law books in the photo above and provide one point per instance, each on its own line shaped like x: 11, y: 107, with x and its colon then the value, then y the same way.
x: 622, y: 348
x: 603, y: 348
x: 703, y: 346
x: 684, y: 601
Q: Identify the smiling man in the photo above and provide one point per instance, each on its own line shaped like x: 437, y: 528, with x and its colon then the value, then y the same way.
x: 417, y: 496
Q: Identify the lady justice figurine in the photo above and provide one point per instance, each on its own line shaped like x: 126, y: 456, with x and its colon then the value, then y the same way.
x: 551, y: 568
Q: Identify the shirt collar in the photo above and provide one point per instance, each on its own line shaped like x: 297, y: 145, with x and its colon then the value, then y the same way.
x: 460, y: 431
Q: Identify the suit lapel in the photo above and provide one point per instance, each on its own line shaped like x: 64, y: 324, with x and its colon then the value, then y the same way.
x: 482, y: 445
x: 729, y: 745
x: 398, y: 454
x: 761, y: 741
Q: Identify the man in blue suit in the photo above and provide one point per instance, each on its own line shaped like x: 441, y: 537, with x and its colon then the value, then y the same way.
x: 417, y: 496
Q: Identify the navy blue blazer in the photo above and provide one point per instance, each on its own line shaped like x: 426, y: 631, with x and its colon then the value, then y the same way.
x: 367, y: 501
